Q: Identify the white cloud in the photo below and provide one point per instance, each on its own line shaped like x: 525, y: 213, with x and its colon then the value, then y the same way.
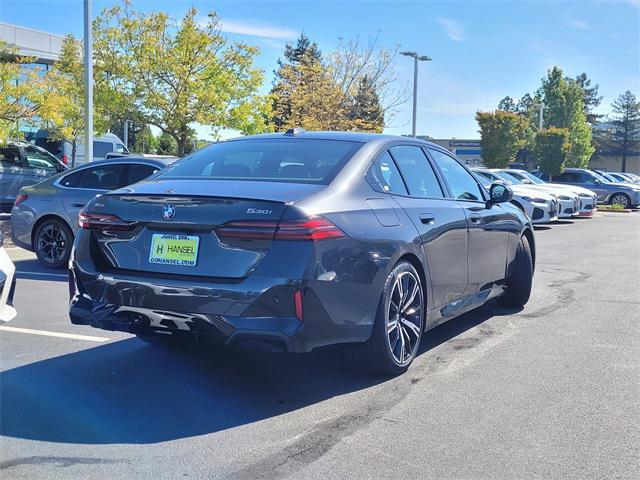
x: 577, y: 23
x: 257, y: 28
x: 454, y: 30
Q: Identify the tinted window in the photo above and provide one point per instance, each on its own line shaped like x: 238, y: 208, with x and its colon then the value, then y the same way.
x: 138, y: 172
x: 567, y: 177
x: 107, y: 177
x: 10, y: 157
x: 511, y: 177
x: 590, y: 177
x: 489, y: 176
x: 462, y: 184
x: 100, y: 149
x: 385, y: 177
x: 39, y: 159
x: 417, y: 172
x: 120, y: 148
x: 284, y: 160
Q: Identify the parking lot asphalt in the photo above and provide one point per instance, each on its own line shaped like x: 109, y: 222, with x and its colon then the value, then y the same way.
x: 551, y: 391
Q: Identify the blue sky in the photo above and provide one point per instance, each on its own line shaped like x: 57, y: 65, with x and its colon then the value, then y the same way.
x: 481, y: 50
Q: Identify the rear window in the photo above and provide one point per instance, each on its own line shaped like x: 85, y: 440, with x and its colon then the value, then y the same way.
x: 272, y: 160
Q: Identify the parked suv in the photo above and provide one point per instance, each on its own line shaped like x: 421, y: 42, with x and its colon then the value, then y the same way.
x: 21, y: 165
x: 626, y: 195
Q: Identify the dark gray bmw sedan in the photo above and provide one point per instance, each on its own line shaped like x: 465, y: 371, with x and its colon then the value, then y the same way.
x: 299, y: 240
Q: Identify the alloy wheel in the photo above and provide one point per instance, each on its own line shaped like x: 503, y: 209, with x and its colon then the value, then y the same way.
x: 620, y: 199
x: 52, y: 243
x: 405, y: 317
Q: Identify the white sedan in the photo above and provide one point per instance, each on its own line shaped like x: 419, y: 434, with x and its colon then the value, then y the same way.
x: 569, y: 202
x: 539, y: 206
x: 588, y: 199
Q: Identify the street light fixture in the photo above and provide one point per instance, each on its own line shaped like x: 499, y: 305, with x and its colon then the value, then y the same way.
x: 416, y: 58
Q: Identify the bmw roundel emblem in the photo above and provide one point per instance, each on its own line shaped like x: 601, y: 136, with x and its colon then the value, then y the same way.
x: 168, y: 212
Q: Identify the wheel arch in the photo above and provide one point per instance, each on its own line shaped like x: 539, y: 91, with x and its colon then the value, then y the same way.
x: 528, y: 233
x: 42, y: 219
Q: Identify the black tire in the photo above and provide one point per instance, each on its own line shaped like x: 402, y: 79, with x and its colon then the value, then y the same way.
x: 520, y: 277
x: 620, y: 199
x: 49, y: 232
x: 377, y: 354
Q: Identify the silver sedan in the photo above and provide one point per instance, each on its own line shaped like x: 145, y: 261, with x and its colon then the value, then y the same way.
x: 44, y: 218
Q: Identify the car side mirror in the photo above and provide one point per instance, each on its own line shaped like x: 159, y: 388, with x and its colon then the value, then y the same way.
x: 597, y: 181
x: 526, y: 181
x: 499, y: 193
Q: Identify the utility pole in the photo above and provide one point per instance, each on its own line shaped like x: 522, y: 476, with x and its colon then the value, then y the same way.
x: 88, y: 82
x: 416, y: 59
x: 126, y: 134
x: 540, y: 115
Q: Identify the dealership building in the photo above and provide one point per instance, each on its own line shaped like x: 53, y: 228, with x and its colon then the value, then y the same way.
x: 469, y: 151
x: 42, y: 46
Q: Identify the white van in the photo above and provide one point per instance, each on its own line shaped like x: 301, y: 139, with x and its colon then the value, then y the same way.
x: 62, y: 149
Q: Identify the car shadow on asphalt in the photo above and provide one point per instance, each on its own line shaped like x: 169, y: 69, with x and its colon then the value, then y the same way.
x: 32, y: 269
x: 128, y: 392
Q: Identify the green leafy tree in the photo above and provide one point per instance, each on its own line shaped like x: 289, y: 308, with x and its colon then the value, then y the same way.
x: 303, y: 53
x: 20, y: 91
x: 625, y: 136
x: 303, y: 50
x: 306, y: 96
x: 166, y: 144
x: 63, y: 101
x: 562, y: 99
x: 177, y: 73
x: 580, y: 142
x: 352, y: 89
x: 367, y: 113
x: 550, y: 150
x: 507, y: 105
x: 564, y: 108
x: 590, y: 98
x: 144, y: 142
x: 502, y: 136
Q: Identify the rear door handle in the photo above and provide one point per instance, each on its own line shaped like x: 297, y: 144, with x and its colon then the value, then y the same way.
x: 427, y: 218
x: 80, y: 205
x: 475, y: 217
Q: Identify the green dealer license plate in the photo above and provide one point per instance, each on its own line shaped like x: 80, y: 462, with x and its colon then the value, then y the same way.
x: 168, y: 249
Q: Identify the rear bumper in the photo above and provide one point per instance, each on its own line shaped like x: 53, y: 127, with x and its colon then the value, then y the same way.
x: 254, y: 311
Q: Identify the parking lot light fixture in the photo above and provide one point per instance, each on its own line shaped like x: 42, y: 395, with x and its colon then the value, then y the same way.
x: 416, y: 58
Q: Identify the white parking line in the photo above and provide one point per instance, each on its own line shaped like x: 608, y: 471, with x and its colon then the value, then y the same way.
x: 53, y: 334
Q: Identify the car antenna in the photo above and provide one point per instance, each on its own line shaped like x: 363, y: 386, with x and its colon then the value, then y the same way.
x: 294, y: 131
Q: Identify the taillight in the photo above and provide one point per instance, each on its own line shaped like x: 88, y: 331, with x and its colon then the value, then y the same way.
x: 20, y: 198
x: 314, y: 228
x: 65, y: 159
x: 247, y: 230
x: 102, y: 221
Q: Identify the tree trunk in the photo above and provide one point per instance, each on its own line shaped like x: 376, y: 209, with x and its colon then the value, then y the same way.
x: 73, y: 153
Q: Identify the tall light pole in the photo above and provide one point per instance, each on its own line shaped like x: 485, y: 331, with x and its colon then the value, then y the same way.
x: 88, y: 82
x: 416, y: 58
x: 540, y: 115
